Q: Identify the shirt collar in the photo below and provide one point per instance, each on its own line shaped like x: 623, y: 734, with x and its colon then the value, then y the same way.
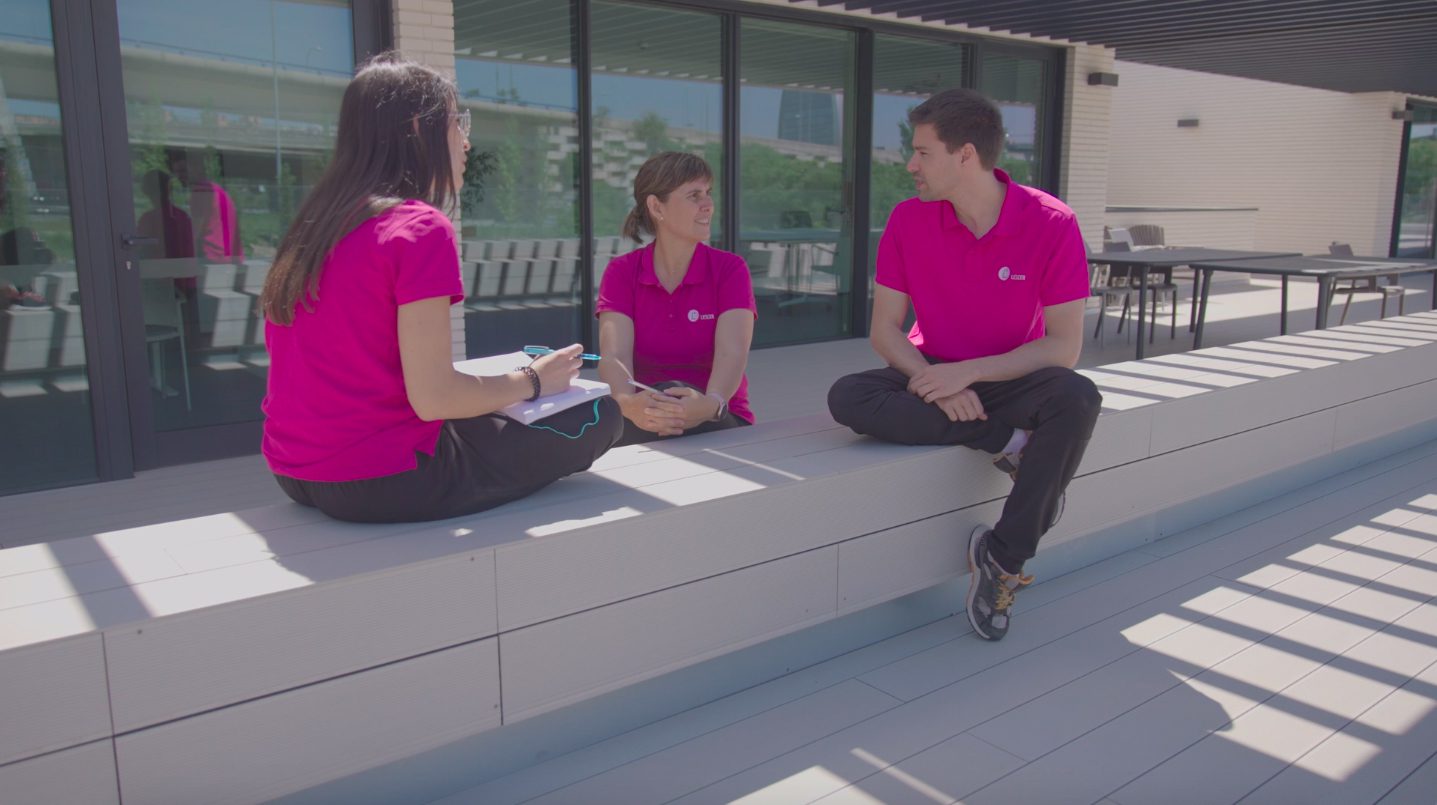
x: 1007, y: 214
x: 697, y: 274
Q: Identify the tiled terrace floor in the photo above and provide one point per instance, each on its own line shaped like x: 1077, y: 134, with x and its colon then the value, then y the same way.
x: 1283, y: 654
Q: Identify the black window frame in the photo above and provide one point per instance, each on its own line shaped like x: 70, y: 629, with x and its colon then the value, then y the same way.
x: 732, y: 11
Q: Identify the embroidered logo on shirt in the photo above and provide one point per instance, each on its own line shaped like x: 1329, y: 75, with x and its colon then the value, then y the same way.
x: 1006, y: 274
x: 694, y: 315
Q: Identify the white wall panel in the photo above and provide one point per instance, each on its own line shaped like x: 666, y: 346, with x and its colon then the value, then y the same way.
x: 264, y: 749
x: 85, y: 774
x: 563, y: 661
x: 1319, y: 165
x: 553, y: 576
x: 1222, y: 412
x: 1382, y: 414
x: 1213, y: 228
x: 892, y: 563
x: 185, y: 664
x: 52, y: 696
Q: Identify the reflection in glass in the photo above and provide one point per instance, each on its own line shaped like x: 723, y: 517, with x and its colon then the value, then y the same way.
x: 520, y: 221
x: 1415, y: 237
x: 46, y: 431
x: 905, y: 72
x: 657, y: 86
x: 231, y: 107
x: 794, y: 168
x: 1017, y: 85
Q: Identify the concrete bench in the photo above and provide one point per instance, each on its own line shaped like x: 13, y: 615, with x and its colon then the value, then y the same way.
x: 255, y: 654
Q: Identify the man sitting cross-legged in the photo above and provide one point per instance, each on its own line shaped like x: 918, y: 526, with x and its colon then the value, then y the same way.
x: 996, y: 276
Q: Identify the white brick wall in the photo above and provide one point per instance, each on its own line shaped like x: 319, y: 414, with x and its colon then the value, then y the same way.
x: 1086, y: 124
x: 424, y: 32
x: 1319, y: 165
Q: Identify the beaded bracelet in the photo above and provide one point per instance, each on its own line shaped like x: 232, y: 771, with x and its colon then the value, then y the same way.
x: 533, y: 381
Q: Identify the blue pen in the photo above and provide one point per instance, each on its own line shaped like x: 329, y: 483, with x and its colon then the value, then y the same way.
x: 537, y: 351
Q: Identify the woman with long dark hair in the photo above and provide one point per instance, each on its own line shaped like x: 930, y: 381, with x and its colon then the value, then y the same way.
x: 366, y: 417
x: 677, y: 311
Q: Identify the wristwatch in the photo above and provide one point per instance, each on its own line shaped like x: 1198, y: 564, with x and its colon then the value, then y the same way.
x: 723, y: 406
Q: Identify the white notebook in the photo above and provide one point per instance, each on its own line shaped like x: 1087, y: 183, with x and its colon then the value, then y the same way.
x: 580, y: 391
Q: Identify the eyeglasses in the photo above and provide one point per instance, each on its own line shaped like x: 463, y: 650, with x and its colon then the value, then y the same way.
x: 464, y: 120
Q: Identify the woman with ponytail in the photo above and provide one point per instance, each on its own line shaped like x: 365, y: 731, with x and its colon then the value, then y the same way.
x: 677, y: 312
x: 366, y: 417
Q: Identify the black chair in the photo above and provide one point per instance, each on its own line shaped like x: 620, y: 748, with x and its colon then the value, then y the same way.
x: 1160, y: 286
x: 1370, y: 285
x: 1100, y: 286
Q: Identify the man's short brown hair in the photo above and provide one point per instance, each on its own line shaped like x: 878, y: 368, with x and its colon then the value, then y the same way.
x: 962, y: 116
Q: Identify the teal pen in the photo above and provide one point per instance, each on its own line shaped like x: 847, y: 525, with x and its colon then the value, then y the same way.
x: 537, y: 351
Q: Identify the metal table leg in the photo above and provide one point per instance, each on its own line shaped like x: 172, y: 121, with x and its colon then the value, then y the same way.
x: 1201, y: 306
x: 1142, y: 307
x: 1324, y: 298
x: 1282, y: 320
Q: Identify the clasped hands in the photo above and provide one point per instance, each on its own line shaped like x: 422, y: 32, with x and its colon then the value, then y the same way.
x: 946, y: 385
x: 668, y: 413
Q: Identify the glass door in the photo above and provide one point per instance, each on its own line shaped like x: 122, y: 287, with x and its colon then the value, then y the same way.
x: 229, y: 115
x: 47, y: 436
x: 906, y: 71
x: 1019, y: 84
x: 1413, y: 232
x: 796, y: 166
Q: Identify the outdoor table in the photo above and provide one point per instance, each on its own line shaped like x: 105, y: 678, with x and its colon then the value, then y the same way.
x: 1149, y: 259
x: 1324, y: 268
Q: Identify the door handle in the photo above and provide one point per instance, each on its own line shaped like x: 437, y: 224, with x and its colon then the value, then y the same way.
x: 131, y: 241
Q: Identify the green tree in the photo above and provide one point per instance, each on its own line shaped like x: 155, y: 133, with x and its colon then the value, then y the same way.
x: 508, y: 172
x: 653, y: 131
x: 478, y: 167
x: 905, y: 137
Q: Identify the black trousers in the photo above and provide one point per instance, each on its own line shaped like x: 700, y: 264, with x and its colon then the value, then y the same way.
x: 634, y: 434
x: 478, y: 463
x: 1058, y: 405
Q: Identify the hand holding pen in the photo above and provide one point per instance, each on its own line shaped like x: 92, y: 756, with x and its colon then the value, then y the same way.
x: 539, y: 351
x: 556, y: 368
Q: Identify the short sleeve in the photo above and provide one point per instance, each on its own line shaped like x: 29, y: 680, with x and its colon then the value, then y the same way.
x: 735, y: 287
x: 616, y: 287
x: 426, y: 257
x: 890, y: 272
x: 1066, y: 275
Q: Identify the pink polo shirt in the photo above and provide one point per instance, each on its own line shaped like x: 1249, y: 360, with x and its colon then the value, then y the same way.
x: 336, y: 408
x: 975, y: 297
x: 674, y: 332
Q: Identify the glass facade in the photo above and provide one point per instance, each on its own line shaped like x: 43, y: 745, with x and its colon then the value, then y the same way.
x: 520, y: 203
x: 230, y: 108
x: 1019, y: 85
x: 795, y: 173
x: 213, y: 118
x: 1417, y: 212
x: 905, y: 72
x: 45, y: 404
x: 657, y: 84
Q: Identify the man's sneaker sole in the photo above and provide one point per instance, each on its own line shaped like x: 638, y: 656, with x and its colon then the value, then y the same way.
x: 975, y: 541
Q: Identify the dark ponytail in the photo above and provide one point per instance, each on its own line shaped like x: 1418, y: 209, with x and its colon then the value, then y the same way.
x: 660, y: 176
x: 636, y: 223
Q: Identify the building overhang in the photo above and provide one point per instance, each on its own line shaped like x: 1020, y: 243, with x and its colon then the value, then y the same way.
x: 1342, y: 45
